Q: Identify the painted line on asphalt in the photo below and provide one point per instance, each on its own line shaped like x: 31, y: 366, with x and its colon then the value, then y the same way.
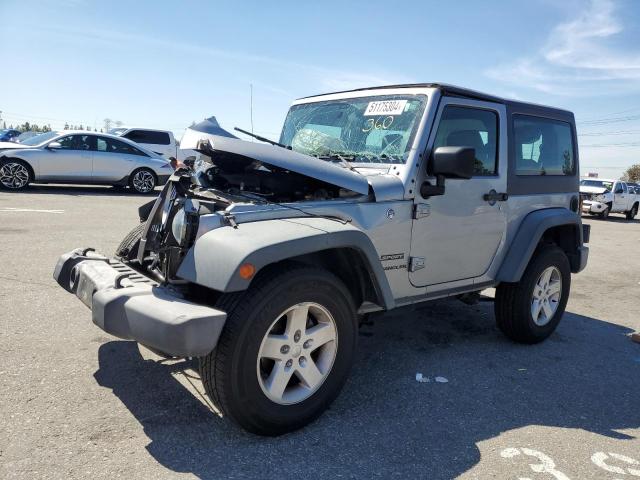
x: 33, y: 210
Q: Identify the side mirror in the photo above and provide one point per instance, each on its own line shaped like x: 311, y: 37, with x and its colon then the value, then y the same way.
x: 448, y: 162
x: 452, y: 162
x: 54, y: 146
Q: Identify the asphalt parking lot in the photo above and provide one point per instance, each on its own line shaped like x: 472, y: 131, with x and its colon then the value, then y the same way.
x: 77, y: 403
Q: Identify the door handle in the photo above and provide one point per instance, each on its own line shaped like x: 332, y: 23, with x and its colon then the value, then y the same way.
x: 492, y: 197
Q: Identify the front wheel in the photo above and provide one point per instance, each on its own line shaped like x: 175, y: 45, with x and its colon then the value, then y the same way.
x: 143, y: 181
x: 530, y: 310
x: 15, y: 174
x: 605, y: 213
x: 285, y: 351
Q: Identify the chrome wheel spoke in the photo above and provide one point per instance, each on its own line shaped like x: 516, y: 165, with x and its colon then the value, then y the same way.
x: 320, y: 334
x: 297, y: 319
x: 273, y: 346
x: 554, y: 288
x: 309, y: 374
x: 279, y: 379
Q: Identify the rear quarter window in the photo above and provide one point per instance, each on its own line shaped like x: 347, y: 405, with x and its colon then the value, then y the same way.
x: 543, y: 146
x: 148, y: 136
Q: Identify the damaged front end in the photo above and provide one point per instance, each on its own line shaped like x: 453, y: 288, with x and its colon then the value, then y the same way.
x: 229, y: 172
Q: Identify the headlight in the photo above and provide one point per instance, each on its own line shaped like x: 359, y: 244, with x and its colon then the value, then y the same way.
x: 185, y: 222
x: 600, y: 198
x: 179, y: 226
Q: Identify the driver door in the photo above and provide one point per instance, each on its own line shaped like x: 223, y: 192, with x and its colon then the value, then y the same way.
x: 71, y: 162
x: 619, y: 197
x: 457, y: 235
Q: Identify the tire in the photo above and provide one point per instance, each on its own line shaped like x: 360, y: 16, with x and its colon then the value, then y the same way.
x: 143, y: 181
x: 15, y: 174
x: 237, y: 379
x: 605, y: 213
x: 128, y: 248
x: 514, y: 302
x: 631, y: 214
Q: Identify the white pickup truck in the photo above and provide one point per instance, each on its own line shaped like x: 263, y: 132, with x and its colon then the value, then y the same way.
x: 602, y: 197
x: 161, y: 142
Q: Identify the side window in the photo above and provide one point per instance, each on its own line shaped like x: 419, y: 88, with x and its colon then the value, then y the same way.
x: 543, y: 146
x: 148, y: 136
x: 619, y: 188
x: 471, y: 127
x: 76, y: 142
x: 111, y: 145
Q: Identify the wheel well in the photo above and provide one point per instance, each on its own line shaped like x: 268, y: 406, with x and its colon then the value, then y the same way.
x: 567, y: 237
x: 27, y: 164
x: 350, y: 266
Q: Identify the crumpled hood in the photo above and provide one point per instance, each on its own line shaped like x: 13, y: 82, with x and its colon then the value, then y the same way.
x: 12, y: 146
x: 593, y: 189
x: 276, y: 156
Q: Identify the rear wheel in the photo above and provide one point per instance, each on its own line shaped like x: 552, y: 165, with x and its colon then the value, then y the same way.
x: 530, y: 310
x: 631, y: 214
x: 15, y: 174
x: 143, y: 181
x: 285, y: 351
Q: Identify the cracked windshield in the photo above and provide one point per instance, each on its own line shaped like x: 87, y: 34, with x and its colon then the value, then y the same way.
x: 376, y: 129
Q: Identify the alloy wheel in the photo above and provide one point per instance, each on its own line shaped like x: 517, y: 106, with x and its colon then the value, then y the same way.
x: 14, y: 175
x: 143, y: 181
x: 546, y: 296
x: 297, y: 353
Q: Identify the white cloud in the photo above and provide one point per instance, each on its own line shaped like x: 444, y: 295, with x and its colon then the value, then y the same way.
x: 578, y: 57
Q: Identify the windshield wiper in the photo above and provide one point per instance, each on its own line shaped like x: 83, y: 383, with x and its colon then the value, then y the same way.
x: 262, y: 139
x: 345, y: 163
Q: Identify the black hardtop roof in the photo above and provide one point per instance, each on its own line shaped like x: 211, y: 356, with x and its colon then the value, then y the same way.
x: 453, y: 90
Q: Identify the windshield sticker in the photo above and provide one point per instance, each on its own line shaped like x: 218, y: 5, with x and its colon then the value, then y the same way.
x: 385, y: 107
x: 379, y: 124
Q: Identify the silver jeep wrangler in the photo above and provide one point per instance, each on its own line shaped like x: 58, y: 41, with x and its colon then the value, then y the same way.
x: 262, y: 258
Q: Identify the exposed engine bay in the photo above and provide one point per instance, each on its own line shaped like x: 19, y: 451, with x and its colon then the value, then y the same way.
x: 241, y: 176
x: 210, y: 184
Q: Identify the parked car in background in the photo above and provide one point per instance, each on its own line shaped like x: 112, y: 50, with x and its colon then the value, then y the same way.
x: 161, y: 142
x: 9, y: 135
x: 81, y: 157
x: 25, y: 135
x: 602, y: 197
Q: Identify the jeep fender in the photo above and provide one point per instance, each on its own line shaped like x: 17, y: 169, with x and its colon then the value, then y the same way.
x: 530, y: 232
x: 216, y: 257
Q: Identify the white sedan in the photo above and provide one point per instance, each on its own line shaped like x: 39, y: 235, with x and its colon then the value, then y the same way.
x: 81, y: 157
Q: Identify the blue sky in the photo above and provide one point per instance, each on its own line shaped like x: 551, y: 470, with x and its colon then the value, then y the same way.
x: 166, y: 64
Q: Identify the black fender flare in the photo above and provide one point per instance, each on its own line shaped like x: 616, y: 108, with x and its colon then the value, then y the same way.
x: 215, y: 258
x: 528, y: 235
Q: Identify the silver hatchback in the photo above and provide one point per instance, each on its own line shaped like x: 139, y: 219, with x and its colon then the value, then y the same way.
x: 83, y: 158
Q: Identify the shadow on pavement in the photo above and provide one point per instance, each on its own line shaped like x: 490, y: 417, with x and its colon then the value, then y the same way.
x: 385, y: 423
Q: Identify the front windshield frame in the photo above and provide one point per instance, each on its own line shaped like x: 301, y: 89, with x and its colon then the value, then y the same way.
x: 39, y: 139
x: 365, y: 158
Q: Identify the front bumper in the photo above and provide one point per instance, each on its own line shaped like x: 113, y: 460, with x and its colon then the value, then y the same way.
x: 591, y: 206
x: 129, y: 305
